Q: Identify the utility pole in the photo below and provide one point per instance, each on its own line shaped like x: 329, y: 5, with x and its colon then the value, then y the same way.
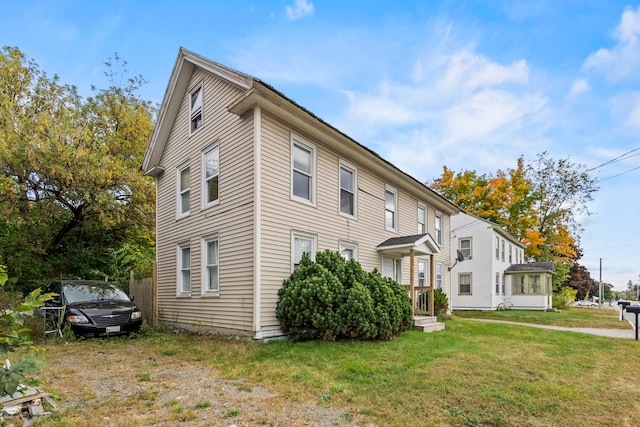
x: 601, y: 304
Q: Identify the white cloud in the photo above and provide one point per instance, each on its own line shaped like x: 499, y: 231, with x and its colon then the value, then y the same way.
x: 579, y: 87
x: 299, y: 9
x: 626, y: 109
x: 621, y: 61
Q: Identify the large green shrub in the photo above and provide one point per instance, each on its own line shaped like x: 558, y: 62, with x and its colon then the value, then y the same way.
x: 564, y: 297
x: 332, y: 298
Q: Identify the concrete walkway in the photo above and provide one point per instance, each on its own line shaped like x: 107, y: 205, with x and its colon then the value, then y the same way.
x: 612, y: 333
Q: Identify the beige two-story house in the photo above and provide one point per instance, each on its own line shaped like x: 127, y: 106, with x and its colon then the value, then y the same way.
x: 247, y: 181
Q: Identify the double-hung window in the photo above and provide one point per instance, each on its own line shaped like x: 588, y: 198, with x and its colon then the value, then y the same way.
x: 391, y: 208
x: 438, y: 223
x: 497, y: 248
x: 348, y: 189
x: 184, y: 190
x: 503, y: 250
x: 303, y: 165
x: 422, y: 220
x: 195, y: 108
x: 497, y: 283
x: 464, y: 284
x: 210, y: 180
x: 349, y: 250
x: 184, y: 269
x: 439, y: 276
x: 422, y: 273
x: 510, y: 254
x: 465, y: 247
x: 211, y: 266
x: 302, y: 243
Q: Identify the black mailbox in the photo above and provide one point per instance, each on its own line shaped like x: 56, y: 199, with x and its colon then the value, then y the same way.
x: 623, y: 305
x: 635, y: 309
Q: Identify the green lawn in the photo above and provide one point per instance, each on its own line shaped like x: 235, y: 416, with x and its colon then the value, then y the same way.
x: 470, y: 374
x: 572, y: 317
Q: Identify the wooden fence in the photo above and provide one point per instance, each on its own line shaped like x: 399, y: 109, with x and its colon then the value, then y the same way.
x: 142, y: 290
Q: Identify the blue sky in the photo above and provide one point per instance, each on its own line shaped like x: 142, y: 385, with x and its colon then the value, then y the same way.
x: 466, y: 84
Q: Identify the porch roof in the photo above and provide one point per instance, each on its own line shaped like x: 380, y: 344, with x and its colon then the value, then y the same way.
x: 422, y: 244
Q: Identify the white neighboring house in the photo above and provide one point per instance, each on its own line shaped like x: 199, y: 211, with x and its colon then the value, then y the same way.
x: 482, y: 281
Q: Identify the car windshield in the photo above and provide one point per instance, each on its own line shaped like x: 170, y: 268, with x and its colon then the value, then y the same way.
x: 87, y: 292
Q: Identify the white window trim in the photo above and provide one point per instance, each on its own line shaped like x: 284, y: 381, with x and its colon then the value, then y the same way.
x: 438, y: 227
x: 205, y: 152
x: 296, y: 140
x: 303, y: 235
x: 197, y: 87
x: 470, y: 283
x: 343, y: 244
x: 180, y: 292
x: 425, y: 264
x: 342, y: 164
x: 470, y: 239
x: 205, y: 272
x: 440, y: 267
x: 395, y: 203
x: 179, y: 192
x: 396, y: 268
x: 424, y: 224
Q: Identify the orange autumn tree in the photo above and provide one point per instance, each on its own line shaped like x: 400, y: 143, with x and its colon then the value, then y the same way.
x: 537, y: 203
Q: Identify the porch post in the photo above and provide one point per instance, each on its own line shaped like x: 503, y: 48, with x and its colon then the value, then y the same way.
x: 411, y: 280
x: 432, y: 279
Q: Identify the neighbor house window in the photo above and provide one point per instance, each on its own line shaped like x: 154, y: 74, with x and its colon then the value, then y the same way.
x: 391, y: 209
x: 302, y: 243
x: 422, y: 220
x: 464, y: 283
x: 349, y: 250
x: 211, y: 265
x: 195, y: 108
x: 184, y: 268
x: 211, y: 168
x: 348, y: 187
x: 465, y: 247
x: 503, y: 284
x: 497, y: 248
x: 510, y: 254
x: 439, y: 275
x: 503, y: 250
x: 184, y: 189
x: 497, y: 283
x: 303, y: 165
x: 422, y: 273
x: 438, y: 220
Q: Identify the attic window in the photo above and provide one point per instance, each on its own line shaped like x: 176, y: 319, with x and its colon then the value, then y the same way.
x: 195, y: 108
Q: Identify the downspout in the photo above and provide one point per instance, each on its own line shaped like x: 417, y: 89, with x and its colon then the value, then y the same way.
x: 257, y: 220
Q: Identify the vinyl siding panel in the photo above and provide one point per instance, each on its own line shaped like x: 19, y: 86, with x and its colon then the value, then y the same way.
x: 231, y: 219
x: 281, y: 215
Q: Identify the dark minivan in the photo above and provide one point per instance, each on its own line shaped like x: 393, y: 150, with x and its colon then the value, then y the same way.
x: 94, y: 308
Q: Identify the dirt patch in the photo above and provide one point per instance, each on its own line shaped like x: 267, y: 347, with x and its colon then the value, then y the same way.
x: 124, y: 386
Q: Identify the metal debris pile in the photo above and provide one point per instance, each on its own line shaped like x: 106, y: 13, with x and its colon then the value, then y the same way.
x: 26, y: 403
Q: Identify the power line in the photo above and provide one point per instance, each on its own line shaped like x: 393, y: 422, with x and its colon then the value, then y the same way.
x: 617, y: 159
x: 621, y: 173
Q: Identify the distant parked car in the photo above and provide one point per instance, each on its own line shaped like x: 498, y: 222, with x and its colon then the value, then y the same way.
x: 585, y: 303
x: 94, y: 308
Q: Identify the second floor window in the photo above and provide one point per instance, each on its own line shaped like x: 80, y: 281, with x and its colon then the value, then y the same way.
x: 438, y: 218
x: 391, y: 209
x: 497, y: 248
x: 195, y: 108
x: 422, y: 220
x: 465, y: 247
x: 211, y: 172
x: 347, y: 190
x: 184, y: 189
x: 510, y: 254
x: 303, y: 171
x: 503, y: 250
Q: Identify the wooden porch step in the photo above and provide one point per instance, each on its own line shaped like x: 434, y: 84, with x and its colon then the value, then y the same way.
x: 427, y: 323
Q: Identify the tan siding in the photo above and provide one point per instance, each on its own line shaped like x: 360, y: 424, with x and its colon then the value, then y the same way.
x: 281, y: 215
x: 231, y: 219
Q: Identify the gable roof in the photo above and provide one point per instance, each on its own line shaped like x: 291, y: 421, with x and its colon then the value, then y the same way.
x: 491, y: 226
x: 422, y: 244
x: 258, y: 93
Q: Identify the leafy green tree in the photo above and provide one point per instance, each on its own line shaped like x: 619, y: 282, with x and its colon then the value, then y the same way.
x: 14, y: 335
x: 71, y: 189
